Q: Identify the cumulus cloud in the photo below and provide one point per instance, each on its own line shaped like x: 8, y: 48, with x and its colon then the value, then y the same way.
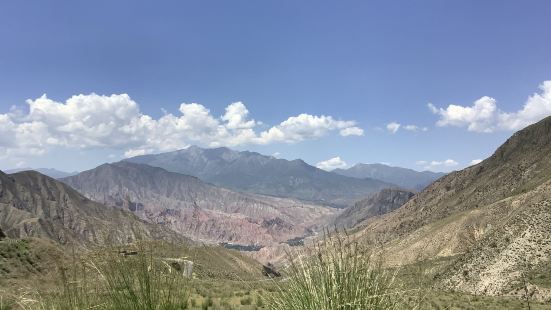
x: 485, y: 116
x: 475, y: 161
x: 332, y: 164
x: 96, y: 121
x: 236, y: 116
x: 302, y: 127
x: 437, y: 165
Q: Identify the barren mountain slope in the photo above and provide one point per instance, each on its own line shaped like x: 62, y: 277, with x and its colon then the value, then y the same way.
x: 522, y: 163
x: 34, y: 205
x: 376, y: 204
x: 463, y: 212
x: 514, y: 249
x: 199, y: 210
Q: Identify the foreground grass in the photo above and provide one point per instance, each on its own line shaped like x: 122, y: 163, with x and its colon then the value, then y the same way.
x: 338, y: 273
x: 113, y: 281
x: 335, y: 274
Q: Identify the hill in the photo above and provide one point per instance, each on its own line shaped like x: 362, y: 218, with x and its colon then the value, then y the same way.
x: 35, y: 205
x: 489, y: 219
x: 405, y: 178
x: 52, y: 173
x: 383, y: 202
x: 199, y: 210
x: 267, y: 175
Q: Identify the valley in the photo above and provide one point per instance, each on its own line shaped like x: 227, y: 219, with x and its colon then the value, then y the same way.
x: 482, y: 231
x: 480, y: 235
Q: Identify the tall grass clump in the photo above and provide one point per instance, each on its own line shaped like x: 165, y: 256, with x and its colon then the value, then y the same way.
x: 337, y: 273
x: 113, y: 281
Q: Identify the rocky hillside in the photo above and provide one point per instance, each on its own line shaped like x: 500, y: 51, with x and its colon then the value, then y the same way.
x: 199, y: 210
x: 405, y: 178
x: 515, y: 250
x: 383, y: 202
x: 34, y: 205
x: 489, y: 217
x: 267, y: 175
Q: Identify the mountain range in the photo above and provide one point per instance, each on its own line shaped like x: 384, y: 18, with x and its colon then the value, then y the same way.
x: 196, y: 209
x: 255, y: 173
x: 405, y: 178
x: 485, y: 229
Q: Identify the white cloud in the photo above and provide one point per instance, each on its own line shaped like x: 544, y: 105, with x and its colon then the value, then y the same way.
x: 236, y: 116
x: 484, y: 115
x: 415, y: 128
x: 302, y: 127
x: 331, y: 164
x: 95, y: 121
x: 437, y: 165
x: 351, y: 131
x: 393, y: 127
x: 475, y: 161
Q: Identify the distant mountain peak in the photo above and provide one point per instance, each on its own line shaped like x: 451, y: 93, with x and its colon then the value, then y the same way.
x: 403, y: 177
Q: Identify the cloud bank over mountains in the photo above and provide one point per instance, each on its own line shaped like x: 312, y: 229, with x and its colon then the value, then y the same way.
x: 115, y: 121
x: 485, y: 116
x: 332, y: 164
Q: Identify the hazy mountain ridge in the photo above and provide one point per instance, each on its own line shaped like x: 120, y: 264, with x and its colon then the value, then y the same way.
x: 35, y: 205
x: 267, y: 175
x: 51, y: 172
x: 403, y: 177
x: 385, y: 201
x: 489, y: 203
x: 199, y: 210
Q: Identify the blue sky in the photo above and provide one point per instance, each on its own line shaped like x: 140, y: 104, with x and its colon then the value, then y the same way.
x: 339, y: 64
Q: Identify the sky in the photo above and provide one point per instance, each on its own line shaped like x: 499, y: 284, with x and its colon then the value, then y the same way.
x: 435, y: 85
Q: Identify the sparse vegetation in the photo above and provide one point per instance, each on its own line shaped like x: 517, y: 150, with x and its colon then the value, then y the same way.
x: 110, y: 281
x: 114, y: 281
x: 339, y: 273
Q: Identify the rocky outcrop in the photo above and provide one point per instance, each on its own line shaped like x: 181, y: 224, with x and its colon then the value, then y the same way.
x: 385, y: 201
